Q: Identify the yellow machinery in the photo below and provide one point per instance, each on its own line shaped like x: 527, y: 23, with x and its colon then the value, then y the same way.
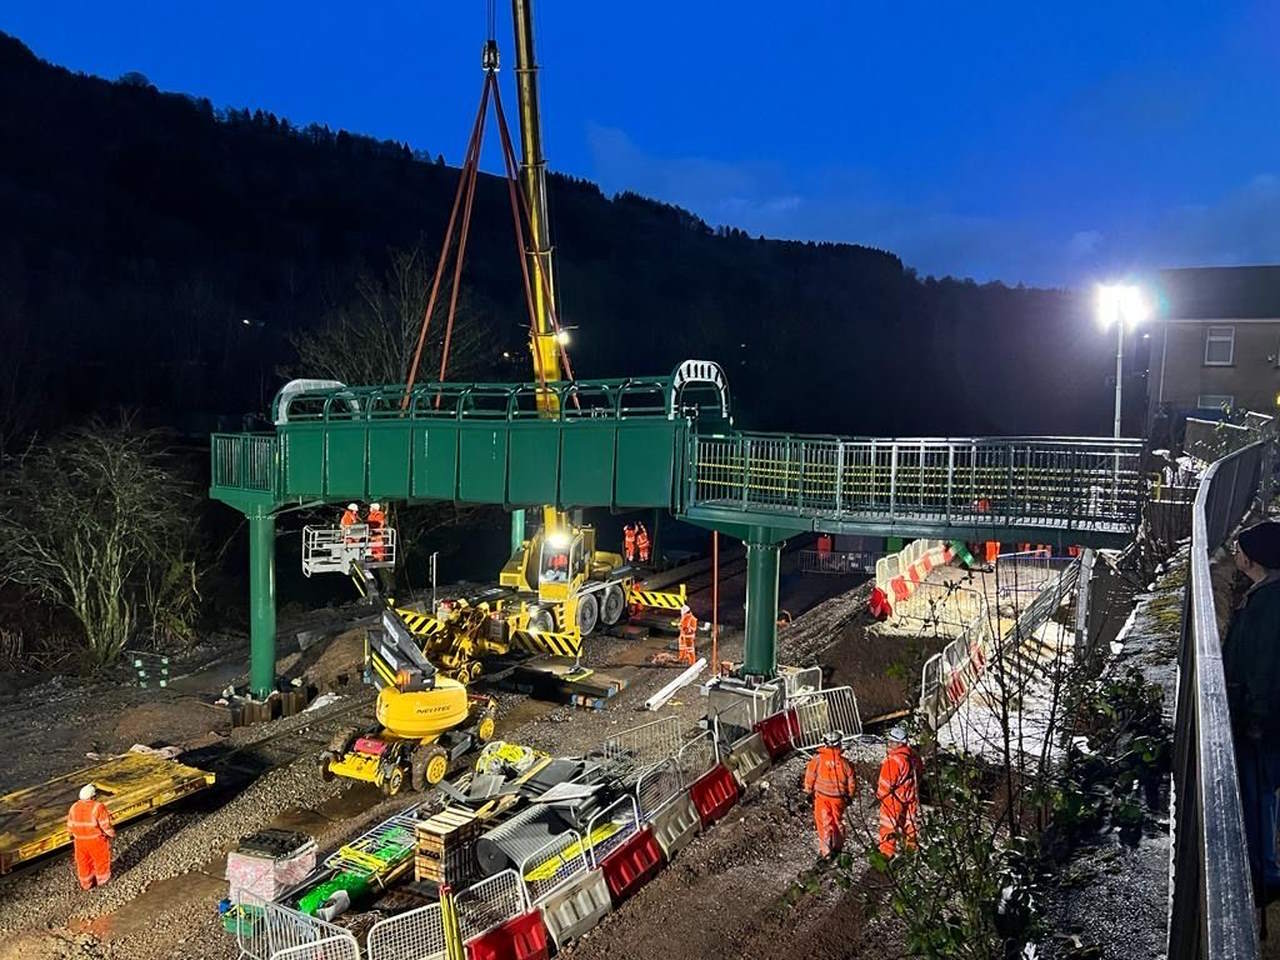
x: 426, y: 722
x: 457, y: 635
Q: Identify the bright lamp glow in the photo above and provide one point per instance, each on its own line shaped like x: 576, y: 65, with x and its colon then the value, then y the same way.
x: 1121, y: 303
x: 558, y: 540
x: 562, y: 337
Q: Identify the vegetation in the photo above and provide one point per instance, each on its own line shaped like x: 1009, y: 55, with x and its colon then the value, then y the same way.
x: 97, y: 522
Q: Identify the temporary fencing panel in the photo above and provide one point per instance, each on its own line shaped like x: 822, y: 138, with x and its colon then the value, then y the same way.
x: 800, y: 680
x: 646, y: 744
x: 521, y: 938
x: 698, y: 755
x: 676, y: 824
x: 267, y: 929
x: 415, y: 935
x: 777, y: 731
x: 748, y: 759
x: 574, y: 909
x: 656, y: 786
x: 820, y: 713
x: 490, y: 903
x: 612, y: 827
x: 632, y: 865
x: 337, y: 947
x: 713, y: 794
x: 560, y: 860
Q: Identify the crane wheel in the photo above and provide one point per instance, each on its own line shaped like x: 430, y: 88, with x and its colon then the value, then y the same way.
x: 612, y: 605
x: 486, y: 727
x: 437, y: 765
x: 542, y: 620
x: 393, y: 782
x: 588, y: 613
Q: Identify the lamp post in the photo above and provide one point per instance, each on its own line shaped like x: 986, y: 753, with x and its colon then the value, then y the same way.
x: 1120, y: 304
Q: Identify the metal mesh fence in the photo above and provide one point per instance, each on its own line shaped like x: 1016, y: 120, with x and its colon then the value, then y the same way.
x: 415, y: 935
x: 547, y: 869
x: 822, y: 711
x: 612, y: 827
x: 338, y: 947
x: 267, y: 929
x: 646, y: 744
x: 490, y: 903
x: 698, y: 755
x: 657, y: 784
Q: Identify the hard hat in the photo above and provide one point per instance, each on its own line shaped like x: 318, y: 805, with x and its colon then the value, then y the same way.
x: 684, y: 608
x: 353, y: 506
x: 833, y: 739
x: 88, y: 791
x: 375, y: 506
x: 898, y: 735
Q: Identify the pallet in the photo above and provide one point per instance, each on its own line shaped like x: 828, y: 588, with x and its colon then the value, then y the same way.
x: 445, y: 851
x: 33, y: 821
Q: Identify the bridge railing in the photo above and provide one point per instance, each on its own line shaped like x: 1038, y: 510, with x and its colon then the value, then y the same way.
x: 1068, y: 482
x: 1211, y: 910
x: 246, y: 461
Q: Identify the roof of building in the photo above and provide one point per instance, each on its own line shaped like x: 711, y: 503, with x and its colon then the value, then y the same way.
x: 1199, y: 293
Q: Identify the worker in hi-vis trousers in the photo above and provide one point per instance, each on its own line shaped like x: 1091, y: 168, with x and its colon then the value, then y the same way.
x: 89, y: 823
x: 629, y: 543
x: 688, y: 634
x: 829, y: 779
x: 350, y: 518
x: 899, y: 794
x: 642, y: 542
x: 377, y: 521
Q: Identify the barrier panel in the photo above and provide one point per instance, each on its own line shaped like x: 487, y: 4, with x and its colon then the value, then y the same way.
x: 267, y: 929
x: 521, y: 938
x: 559, y: 860
x: 821, y: 712
x: 797, y: 680
x: 415, y: 935
x: 656, y: 786
x: 489, y: 903
x: 337, y: 947
x: 676, y: 824
x: 776, y: 732
x: 713, y: 794
x: 698, y: 755
x: 632, y: 865
x: 645, y: 744
x: 574, y: 909
x: 619, y: 821
x: 748, y: 760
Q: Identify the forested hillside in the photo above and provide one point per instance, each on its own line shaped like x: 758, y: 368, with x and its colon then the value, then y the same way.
x: 161, y: 253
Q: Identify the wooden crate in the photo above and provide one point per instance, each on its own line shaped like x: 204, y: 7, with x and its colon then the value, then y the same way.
x: 446, y: 846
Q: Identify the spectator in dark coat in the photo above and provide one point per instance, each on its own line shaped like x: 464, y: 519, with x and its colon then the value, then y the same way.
x: 1251, y: 663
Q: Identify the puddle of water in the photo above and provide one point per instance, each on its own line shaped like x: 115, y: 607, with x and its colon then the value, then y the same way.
x: 163, y: 896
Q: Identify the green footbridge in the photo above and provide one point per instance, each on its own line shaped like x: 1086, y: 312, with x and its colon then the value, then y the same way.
x: 657, y: 443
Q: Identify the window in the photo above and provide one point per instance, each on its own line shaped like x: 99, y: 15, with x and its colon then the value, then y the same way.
x: 1215, y: 401
x: 1219, y: 346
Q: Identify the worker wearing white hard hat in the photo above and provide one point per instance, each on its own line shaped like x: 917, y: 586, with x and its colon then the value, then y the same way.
x: 89, y: 823
x: 899, y: 794
x: 377, y: 521
x: 349, y: 519
x: 688, y: 635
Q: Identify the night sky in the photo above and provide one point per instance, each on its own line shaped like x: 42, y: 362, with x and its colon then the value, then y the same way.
x: 1051, y: 143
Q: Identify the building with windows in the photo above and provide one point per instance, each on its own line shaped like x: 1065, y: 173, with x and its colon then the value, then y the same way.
x: 1216, y: 343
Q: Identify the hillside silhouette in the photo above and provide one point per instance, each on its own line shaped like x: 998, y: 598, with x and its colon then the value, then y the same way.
x: 158, y: 252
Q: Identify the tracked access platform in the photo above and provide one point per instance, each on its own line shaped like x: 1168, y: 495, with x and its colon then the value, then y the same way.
x: 665, y: 443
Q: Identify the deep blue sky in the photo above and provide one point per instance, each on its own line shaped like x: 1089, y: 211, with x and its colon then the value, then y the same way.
x: 1051, y: 143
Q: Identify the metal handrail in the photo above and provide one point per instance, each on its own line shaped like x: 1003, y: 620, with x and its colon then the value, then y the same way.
x: 1211, y: 909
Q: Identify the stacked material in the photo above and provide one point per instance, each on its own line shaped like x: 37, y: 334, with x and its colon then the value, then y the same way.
x: 270, y: 863
x: 446, y: 847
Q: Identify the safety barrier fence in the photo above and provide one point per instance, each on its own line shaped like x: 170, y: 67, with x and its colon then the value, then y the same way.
x: 1211, y: 910
x: 949, y: 675
x: 833, y: 562
x: 939, y: 604
x: 646, y: 744
x: 414, y: 935
x: 490, y: 903
x: 1063, y: 483
x: 612, y: 827
x: 247, y: 461
x: 561, y: 859
x: 822, y: 712
x: 797, y: 680
x: 267, y: 930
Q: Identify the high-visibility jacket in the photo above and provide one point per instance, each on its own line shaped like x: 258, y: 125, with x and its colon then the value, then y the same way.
x: 829, y: 774
x: 629, y: 535
x: 349, y: 518
x: 376, y: 520
x: 642, y: 540
x: 688, y: 626
x: 89, y: 820
x: 898, y: 792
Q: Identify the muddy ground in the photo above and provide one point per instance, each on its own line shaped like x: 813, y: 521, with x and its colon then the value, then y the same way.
x: 168, y: 872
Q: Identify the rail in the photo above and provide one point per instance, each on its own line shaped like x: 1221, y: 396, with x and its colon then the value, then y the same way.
x: 1211, y: 907
x: 246, y: 461
x: 1067, y: 483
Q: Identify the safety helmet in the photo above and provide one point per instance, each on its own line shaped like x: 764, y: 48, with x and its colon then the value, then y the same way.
x: 88, y: 791
x: 833, y: 739
x: 898, y: 735
x: 375, y: 506
x: 353, y: 506
x: 684, y: 608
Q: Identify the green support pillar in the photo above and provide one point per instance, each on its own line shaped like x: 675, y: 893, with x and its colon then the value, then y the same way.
x: 760, y: 656
x: 517, y: 529
x: 262, y: 605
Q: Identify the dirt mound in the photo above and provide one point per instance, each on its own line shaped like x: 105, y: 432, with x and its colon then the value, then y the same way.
x: 170, y: 722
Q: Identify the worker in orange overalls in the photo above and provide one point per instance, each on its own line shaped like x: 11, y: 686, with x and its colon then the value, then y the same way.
x: 377, y: 520
x: 899, y: 794
x: 830, y: 781
x: 89, y: 823
x: 350, y: 518
x: 688, y: 633
x: 642, y: 542
x: 629, y: 542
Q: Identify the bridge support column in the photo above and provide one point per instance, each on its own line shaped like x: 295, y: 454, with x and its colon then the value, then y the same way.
x: 262, y: 604
x: 760, y: 655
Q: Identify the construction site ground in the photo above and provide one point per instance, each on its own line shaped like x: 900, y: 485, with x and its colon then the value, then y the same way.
x: 741, y: 883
